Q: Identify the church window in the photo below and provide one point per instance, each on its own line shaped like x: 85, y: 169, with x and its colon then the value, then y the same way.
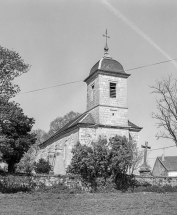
x: 92, y: 92
x: 112, y: 90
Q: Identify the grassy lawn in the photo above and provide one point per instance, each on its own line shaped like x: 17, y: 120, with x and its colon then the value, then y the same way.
x: 92, y: 204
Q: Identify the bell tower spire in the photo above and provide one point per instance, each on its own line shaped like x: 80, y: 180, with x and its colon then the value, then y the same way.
x: 106, y: 54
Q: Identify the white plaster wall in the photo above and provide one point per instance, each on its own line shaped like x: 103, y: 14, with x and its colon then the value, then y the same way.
x: 172, y: 174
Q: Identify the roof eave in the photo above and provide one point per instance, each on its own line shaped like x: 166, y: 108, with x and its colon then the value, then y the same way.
x: 105, y: 72
x: 136, y: 129
x: 162, y: 163
x: 59, y: 135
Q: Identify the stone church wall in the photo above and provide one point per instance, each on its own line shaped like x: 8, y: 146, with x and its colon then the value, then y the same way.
x: 88, y: 135
x: 92, y: 101
x: 104, y: 91
x: 135, y: 136
x: 111, y: 132
x: 113, y: 116
x: 59, y: 153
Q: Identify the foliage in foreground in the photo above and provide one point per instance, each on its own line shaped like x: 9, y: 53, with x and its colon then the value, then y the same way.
x: 24, y: 183
x: 14, y: 184
x: 42, y: 166
x: 11, y: 66
x: 102, y: 160
x: 15, y: 136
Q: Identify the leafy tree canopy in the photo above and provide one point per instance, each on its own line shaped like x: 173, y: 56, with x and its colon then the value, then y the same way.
x: 11, y: 66
x: 59, y: 122
x: 15, y: 137
x: 42, y: 166
x: 101, y: 159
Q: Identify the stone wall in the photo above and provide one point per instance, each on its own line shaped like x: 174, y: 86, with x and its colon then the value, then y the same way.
x: 95, y: 101
x: 87, y: 135
x: 159, y: 181
x: 134, y: 136
x: 111, y: 132
x: 59, y: 153
x: 104, y: 91
x: 113, y: 116
x: 106, y: 110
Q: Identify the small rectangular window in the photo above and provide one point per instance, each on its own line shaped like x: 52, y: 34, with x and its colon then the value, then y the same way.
x: 112, y: 90
x: 92, y: 92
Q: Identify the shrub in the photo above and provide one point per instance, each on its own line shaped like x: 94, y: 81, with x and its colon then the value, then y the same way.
x: 42, y: 166
x: 102, y: 160
x: 14, y: 184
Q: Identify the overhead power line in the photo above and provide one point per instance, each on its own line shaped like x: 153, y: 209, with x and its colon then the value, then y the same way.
x: 45, y: 88
x: 59, y: 85
x: 153, y: 64
x: 162, y: 148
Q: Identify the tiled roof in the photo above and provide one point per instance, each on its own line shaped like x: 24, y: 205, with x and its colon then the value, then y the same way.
x: 85, y: 118
x: 107, y: 64
x: 170, y: 162
x: 133, y: 126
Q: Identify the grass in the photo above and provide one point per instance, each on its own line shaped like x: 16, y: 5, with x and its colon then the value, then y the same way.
x: 88, y: 204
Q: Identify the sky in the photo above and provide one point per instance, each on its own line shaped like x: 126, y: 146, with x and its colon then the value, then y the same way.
x: 62, y: 40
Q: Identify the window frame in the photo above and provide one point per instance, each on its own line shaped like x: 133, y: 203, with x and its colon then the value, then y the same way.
x: 112, y: 90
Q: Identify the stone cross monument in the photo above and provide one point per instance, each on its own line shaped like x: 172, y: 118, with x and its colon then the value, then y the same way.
x: 144, y: 168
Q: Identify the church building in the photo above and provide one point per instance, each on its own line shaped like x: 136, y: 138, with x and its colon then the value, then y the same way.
x: 106, y: 114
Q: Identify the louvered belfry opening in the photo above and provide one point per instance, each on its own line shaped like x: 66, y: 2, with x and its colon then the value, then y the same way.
x: 112, y: 90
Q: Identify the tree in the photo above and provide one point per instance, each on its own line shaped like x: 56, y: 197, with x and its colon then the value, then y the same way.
x: 89, y: 162
x: 11, y: 66
x: 42, y: 166
x: 101, y: 160
x: 26, y: 164
x: 121, y: 156
x: 59, y: 122
x: 15, y: 137
x: 166, y: 90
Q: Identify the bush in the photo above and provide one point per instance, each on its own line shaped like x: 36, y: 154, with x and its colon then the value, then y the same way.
x: 42, y: 166
x: 14, y: 184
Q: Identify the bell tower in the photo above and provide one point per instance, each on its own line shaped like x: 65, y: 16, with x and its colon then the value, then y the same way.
x: 107, y: 91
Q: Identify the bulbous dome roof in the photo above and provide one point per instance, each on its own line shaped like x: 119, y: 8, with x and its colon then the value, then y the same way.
x: 108, y: 64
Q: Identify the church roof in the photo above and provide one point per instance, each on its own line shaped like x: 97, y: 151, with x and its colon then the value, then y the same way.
x: 133, y: 126
x: 85, y: 118
x: 170, y: 162
x: 107, y: 64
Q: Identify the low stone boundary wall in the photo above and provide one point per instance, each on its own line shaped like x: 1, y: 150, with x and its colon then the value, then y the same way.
x: 159, y: 181
x: 47, y: 180
x: 74, y: 182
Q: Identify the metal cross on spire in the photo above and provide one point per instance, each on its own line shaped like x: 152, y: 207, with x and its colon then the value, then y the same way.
x: 106, y: 35
x: 106, y: 45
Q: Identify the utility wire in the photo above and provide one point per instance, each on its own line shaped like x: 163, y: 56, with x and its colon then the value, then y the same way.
x: 162, y: 148
x: 59, y: 85
x: 153, y: 64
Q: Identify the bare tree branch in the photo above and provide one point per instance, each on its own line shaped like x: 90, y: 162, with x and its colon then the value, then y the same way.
x: 166, y: 91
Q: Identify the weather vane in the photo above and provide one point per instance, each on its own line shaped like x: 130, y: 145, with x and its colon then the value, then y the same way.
x: 106, y: 35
